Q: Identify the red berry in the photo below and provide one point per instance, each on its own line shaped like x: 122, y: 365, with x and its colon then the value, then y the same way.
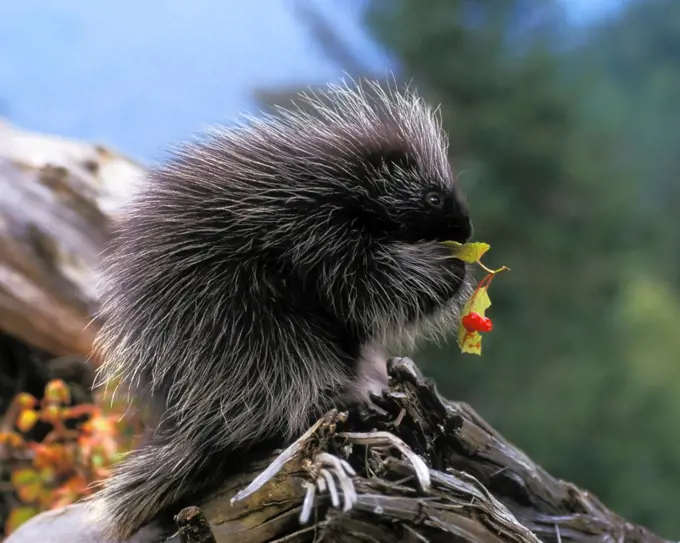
x: 471, y: 321
x: 486, y: 325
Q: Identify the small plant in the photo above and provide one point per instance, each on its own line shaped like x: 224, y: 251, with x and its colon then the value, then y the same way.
x: 81, y: 444
x: 473, y: 321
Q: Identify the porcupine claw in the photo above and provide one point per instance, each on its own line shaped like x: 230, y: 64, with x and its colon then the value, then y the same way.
x: 327, y: 422
x: 327, y: 468
x: 329, y: 473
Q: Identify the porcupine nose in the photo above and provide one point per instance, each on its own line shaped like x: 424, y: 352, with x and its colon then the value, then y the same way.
x: 460, y: 225
x: 468, y: 228
x: 462, y: 229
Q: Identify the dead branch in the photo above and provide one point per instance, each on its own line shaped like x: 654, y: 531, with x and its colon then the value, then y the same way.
x: 475, y: 487
x: 482, y: 488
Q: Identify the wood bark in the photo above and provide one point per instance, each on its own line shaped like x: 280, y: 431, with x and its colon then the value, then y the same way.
x: 58, y: 201
x: 483, y: 489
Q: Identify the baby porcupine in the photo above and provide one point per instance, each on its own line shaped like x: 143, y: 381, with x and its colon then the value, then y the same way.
x: 259, y: 277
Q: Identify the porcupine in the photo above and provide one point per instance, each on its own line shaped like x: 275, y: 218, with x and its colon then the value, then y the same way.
x: 261, y: 276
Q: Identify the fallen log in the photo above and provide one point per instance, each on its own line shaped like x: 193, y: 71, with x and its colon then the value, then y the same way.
x: 57, y: 199
x: 427, y: 470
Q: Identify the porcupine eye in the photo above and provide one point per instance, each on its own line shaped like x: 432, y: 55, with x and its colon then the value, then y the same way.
x: 434, y: 199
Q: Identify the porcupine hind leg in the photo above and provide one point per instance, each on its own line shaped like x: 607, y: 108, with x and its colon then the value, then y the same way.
x: 329, y: 473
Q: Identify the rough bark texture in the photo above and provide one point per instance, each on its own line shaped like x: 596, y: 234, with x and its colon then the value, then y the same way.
x: 57, y: 202
x: 482, y: 488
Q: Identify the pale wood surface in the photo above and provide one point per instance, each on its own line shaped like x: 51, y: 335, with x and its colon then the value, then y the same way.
x: 57, y: 200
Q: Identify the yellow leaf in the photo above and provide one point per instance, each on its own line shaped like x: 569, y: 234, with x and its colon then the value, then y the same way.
x: 471, y: 342
x: 29, y: 494
x: 18, y: 516
x: 47, y: 474
x: 468, y: 252
x: 24, y: 477
x: 27, y: 419
x: 25, y: 400
x: 479, y: 302
x: 12, y: 439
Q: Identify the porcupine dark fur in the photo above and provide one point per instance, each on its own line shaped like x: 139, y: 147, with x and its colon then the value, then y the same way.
x: 260, y: 276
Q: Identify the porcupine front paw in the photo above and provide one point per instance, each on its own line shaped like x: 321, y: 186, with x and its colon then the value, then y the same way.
x: 369, y: 390
x: 325, y: 472
x: 334, y: 475
x: 331, y: 473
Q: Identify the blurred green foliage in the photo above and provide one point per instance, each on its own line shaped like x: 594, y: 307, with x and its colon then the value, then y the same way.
x: 568, y: 156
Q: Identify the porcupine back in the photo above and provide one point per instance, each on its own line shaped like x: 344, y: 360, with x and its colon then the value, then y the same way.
x: 215, y: 310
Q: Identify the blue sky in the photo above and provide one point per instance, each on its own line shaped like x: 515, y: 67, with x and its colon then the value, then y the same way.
x: 584, y: 10
x: 142, y: 75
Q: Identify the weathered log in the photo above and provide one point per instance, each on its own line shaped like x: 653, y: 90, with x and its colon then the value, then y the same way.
x: 57, y: 201
x: 57, y: 198
x: 481, y: 488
